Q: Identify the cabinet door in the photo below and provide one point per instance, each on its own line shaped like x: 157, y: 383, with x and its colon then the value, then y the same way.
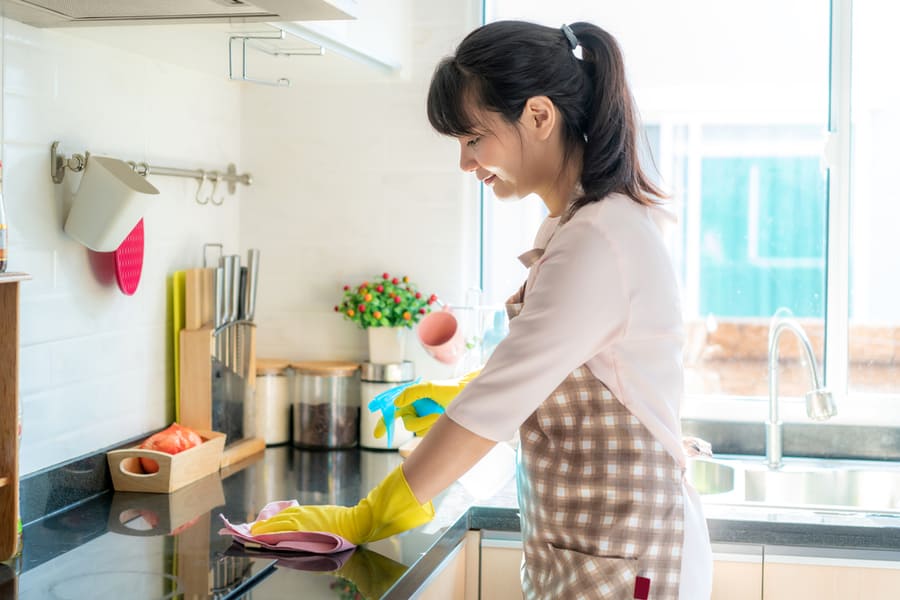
x: 380, y: 34
x: 737, y: 572
x: 815, y: 578
x: 457, y: 576
x: 500, y: 568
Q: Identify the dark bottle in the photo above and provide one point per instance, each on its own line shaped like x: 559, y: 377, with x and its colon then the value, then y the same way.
x: 4, y: 239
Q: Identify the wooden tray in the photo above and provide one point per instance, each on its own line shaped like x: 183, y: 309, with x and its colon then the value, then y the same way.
x: 175, y: 470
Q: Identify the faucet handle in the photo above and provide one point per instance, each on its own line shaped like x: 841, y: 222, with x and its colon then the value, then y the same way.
x: 820, y: 405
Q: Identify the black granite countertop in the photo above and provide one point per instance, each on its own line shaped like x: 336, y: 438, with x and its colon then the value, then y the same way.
x: 129, y: 545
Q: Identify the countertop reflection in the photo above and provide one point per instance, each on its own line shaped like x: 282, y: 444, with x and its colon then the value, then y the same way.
x: 131, y: 545
x: 141, y: 546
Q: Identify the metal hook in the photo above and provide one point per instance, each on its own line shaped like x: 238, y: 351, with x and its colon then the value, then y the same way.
x: 214, y: 177
x: 199, y: 188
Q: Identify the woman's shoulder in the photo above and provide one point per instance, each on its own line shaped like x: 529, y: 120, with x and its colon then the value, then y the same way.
x: 618, y: 217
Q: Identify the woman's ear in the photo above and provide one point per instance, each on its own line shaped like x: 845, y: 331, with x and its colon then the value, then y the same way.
x: 539, y: 117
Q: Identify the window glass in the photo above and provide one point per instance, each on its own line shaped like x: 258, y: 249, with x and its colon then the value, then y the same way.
x: 874, y: 334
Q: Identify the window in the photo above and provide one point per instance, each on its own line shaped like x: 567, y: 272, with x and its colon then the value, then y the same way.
x: 874, y: 265
x: 736, y: 100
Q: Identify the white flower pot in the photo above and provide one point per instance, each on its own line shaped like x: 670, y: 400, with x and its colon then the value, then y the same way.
x: 387, y: 345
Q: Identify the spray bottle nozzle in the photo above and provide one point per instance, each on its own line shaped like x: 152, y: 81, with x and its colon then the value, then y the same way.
x: 384, y: 402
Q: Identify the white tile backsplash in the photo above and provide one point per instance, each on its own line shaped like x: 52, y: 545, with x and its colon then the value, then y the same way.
x: 353, y: 183
x: 94, y: 362
x: 349, y: 181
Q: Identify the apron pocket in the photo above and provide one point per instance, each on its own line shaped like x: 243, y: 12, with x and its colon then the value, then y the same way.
x: 572, y: 574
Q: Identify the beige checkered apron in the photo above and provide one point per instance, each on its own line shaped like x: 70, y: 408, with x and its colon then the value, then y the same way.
x: 601, y: 499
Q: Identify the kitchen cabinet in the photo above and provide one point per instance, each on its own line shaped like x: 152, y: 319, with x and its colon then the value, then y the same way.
x: 737, y: 572
x: 51, y: 13
x: 457, y: 576
x: 501, y: 559
x: 821, y: 574
x: 380, y: 35
x: 737, y: 569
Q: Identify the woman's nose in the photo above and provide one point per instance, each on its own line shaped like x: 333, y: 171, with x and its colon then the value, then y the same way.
x: 466, y: 160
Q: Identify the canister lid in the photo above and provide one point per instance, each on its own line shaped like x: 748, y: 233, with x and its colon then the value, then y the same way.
x: 333, y: 368
x: 271, y: 366
x: 388, y: 373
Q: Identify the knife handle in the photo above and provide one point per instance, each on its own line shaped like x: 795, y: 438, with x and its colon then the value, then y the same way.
x: 242, y: 299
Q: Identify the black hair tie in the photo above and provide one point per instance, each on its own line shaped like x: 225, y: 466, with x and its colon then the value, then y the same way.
x: 570, y: 35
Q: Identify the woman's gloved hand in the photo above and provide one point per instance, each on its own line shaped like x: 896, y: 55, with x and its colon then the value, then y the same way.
x: 442, y: 392
x: 389, y: 509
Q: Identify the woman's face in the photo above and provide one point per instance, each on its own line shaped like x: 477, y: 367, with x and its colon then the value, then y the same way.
x: 498, y: 156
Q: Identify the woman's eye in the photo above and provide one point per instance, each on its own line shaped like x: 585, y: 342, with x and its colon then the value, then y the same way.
x: 473, y: 142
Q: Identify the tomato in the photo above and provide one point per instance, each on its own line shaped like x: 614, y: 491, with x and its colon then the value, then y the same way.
x: 172, y: 440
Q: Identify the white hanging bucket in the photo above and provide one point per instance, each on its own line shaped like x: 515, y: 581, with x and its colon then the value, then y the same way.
x: 111, y: 199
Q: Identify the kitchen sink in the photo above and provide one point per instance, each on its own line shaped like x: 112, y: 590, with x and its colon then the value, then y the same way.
x: 711, y: 477
x: 860, y: 486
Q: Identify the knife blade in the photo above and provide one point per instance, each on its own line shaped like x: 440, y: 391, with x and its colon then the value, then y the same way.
x: 252, y: 279
x: 220, y: 307
x: 227, y: 267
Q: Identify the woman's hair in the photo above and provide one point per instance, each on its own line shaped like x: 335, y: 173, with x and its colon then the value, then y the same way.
x: 499, y: 66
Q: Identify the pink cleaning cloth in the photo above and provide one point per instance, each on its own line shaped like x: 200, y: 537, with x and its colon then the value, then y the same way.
x: 299, y: 561
x: 319, y: 542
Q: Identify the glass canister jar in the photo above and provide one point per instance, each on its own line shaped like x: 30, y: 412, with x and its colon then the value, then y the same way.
x: 377, y: 378
x: 325, y: 400
x: 272, y: 408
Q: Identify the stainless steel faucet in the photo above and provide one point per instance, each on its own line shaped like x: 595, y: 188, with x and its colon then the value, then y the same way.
x: 819, y: 402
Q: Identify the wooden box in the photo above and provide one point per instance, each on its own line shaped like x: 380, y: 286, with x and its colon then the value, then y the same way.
x: 175, y: 470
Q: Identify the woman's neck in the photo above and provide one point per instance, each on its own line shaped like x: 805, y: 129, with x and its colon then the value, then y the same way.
x: 559, y: 193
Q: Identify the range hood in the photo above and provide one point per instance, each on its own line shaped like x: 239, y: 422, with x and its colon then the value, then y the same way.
x: 66, y: 13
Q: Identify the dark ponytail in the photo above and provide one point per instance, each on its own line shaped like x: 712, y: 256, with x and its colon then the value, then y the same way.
x: 501, y: 65
x: 611, y: 159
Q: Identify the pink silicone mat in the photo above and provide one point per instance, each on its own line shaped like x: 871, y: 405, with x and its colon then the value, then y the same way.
x: 129, y: 259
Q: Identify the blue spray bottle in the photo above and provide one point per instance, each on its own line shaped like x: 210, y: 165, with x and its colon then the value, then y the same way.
x: 384, y: 402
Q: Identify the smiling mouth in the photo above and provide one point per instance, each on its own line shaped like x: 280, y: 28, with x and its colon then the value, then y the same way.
x: 489, y: 180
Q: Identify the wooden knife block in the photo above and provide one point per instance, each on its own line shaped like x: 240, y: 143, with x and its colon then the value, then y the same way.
x: 195, y: 363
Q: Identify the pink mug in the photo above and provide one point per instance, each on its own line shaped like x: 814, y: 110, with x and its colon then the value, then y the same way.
x: 440, y: 334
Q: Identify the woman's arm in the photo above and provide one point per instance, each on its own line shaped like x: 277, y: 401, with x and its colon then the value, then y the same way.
x: 443, y: 456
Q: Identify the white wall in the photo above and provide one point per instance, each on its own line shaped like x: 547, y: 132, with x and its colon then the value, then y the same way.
x: 351, y: 182
x: 94, y: 362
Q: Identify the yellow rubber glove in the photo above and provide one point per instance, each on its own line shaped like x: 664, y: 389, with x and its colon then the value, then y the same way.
x: 389, y: 509
x: 443, y: 392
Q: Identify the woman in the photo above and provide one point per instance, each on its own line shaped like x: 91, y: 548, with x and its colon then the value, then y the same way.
x: 590, y: 375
